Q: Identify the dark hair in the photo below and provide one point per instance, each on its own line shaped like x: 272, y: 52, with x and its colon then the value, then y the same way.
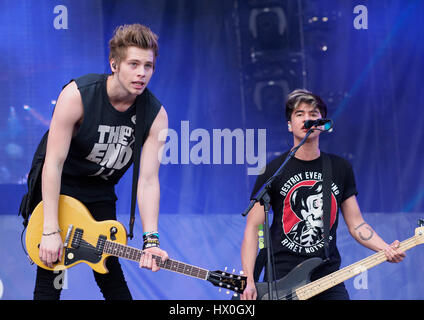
x: 303, y: 95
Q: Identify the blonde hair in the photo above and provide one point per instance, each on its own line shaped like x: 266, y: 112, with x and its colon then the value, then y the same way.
x: 133, y: 35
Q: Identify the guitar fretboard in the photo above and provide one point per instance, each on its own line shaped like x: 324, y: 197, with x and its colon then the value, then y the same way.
x: 313, y: 288
x: 134, y: 254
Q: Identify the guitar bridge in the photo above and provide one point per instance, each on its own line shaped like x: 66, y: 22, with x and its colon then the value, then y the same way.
x: 68, y: 235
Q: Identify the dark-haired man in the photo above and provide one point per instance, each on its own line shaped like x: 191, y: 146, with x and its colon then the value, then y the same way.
x: 297, y: 203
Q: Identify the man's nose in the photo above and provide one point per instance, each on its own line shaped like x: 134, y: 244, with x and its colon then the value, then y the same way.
x: 141, y: 72
x: 307, y: 117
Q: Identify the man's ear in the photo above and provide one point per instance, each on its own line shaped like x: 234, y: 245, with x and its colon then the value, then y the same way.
x: 113, y: 65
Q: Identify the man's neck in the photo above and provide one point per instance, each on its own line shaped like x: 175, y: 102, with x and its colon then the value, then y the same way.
x: 308, y: 151
x: 118, y: 97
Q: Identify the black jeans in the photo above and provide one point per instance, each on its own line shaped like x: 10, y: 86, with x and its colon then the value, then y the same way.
x: 112, y: 284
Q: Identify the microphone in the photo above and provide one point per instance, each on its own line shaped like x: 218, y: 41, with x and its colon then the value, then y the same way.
x: 319, y: 122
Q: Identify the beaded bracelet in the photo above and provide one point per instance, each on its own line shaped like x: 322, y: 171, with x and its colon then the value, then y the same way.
x: 150, y: 243
x: 150, y: 239
x: 154, y: 233
x: 51, y: 233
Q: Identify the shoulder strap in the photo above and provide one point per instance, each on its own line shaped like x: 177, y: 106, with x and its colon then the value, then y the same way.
x: 147, y: 108
x: 29, y: 200
x: 326, y: 195
x: 139, y: 137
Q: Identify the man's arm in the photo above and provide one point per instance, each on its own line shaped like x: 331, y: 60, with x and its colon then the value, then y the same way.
x: 67, y: 114
x: 364, y: 233
x: 148, y: 189
x: 249, y: 249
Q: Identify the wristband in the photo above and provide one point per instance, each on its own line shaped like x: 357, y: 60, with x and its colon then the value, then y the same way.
x: 150, y: 239
x: 151, y: 233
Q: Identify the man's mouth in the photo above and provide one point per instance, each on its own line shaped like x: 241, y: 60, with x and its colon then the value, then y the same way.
x: 138, y: 84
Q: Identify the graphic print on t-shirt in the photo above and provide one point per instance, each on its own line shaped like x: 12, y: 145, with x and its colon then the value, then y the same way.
x: 113, y: 149
x: 302, y: 220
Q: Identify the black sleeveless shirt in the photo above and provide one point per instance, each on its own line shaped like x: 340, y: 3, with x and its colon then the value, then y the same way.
x: 102, y: 149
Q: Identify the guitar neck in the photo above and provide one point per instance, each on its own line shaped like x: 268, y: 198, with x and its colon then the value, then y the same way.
x: 329, y: 281
x: 134, y: 254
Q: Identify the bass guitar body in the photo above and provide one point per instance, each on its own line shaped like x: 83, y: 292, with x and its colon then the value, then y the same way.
x: 285, y: 288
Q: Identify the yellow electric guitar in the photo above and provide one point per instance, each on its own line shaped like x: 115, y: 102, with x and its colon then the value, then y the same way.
x: 89, y: 241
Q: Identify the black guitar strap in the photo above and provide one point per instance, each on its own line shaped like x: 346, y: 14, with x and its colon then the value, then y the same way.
x: 326, y: 198
x: 140, y: 136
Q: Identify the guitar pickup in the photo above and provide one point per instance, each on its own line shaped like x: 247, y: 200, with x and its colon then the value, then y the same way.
x: 100, y: 245
x: 76, y: 240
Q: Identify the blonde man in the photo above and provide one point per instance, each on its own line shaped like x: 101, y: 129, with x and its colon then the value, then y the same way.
x: 90, y: 146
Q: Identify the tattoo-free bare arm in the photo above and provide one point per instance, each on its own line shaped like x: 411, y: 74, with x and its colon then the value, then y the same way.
x: 249, y: 248
x: 67, y: 114
x: 148, y: 191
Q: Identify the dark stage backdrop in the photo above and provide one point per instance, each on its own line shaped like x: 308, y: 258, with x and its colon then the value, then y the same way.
x: 223, y: 73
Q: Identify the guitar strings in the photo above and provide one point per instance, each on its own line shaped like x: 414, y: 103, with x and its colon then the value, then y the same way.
x: 119, y: 251
x: 174, y: 265
x: 169, y: 264
x: 100, y: 242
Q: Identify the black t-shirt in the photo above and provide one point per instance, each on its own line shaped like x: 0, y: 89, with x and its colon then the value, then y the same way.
x: 296, y: 201
x: 102, y: 149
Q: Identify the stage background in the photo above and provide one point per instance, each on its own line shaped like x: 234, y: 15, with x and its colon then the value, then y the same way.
x: 228, y: 64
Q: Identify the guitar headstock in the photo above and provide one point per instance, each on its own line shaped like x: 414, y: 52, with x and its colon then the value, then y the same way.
x: 419, y: 232
x: 229, y: 281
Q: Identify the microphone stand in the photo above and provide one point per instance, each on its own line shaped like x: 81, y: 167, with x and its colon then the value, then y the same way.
x: 264, y: 199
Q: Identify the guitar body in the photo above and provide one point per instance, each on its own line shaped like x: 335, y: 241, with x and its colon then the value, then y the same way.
x: 285, y: 287
x: 92, y: 242
x: 88, y: 235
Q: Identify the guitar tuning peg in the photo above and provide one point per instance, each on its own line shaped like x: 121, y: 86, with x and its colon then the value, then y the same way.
x: 228, y: 292
x: 235, y: 295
